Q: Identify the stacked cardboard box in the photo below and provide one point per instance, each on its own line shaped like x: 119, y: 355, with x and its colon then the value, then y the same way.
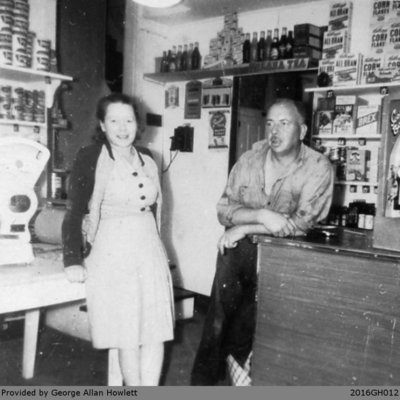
x: 227, y: 46
x: 308, y: 41
x: 338, y: 36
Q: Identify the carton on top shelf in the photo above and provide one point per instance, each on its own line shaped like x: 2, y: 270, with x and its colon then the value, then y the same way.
x: 380, y: 11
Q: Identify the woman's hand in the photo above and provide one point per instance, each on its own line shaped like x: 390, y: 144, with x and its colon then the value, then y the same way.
x: 230, y: 238
x: 76, y: 273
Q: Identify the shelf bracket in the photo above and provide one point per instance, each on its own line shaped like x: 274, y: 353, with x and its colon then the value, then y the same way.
x: 51, y: 87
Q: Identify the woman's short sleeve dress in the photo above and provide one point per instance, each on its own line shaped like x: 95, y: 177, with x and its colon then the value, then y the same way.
x: 129, y: 290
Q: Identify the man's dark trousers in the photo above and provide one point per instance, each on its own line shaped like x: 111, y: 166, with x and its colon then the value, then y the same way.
x: 230, y: 322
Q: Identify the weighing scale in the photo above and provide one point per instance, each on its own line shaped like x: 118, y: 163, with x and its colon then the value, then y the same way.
x: 21, y: 164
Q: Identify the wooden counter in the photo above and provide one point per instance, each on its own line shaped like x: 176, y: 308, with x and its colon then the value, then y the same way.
x: 328, y: 312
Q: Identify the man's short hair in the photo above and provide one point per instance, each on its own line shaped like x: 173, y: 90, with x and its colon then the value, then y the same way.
x: 297, y: 105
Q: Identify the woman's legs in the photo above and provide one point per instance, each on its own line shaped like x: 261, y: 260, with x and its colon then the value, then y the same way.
x: 129, y: 360
x: 142, y: 366
x: 151, y: 363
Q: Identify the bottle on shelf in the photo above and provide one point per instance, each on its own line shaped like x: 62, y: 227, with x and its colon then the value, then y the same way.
x: 268, y: 44
x: 290, y: 45
x: 189, y: 56
x: 196, y: 57
x: 179, y: 58
x: 275, y: 45
x: 261, y: 47
x: 253, y: 47
x: 246, y: 49
x: 164, y: 67
x: 282, y: 43
x: 172, y: 60
x: 184, y: 57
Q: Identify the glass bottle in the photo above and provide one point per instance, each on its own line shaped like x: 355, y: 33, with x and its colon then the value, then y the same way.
x: 196, y: 57
x: 246, y: 49
x: 253, y: 47
x: 179, y: 58
x: 275, y: 45
x: 282, y: 43
x: 261, y: 47
x: 172, y: 60
x: 289, y: 45
x: 268, y: 44
x: 184, y: 58
x: 189, y: 56
x: 164, y: 67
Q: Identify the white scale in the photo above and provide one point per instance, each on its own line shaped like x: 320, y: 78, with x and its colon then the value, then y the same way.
x: 21, y: 164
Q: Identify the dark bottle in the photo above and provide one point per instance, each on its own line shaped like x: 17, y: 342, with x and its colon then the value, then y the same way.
x: 275, y: 45
x: 189, y: 56
x: 179, y: 58
x: 196, y: 57
x: 164, y: 65
x: 289, y: 45
x: 253, y: 47
x: 268, y: 44
x: 184, y: 58
x: 172, y: 60
x: 246, y: 49
x: 261, y: 47
x: 282, y: 43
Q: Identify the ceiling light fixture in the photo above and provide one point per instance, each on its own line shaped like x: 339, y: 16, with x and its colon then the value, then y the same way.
x: 158, y: 3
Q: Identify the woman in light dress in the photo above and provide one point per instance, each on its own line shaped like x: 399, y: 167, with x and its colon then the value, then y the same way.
x: 116, y: 248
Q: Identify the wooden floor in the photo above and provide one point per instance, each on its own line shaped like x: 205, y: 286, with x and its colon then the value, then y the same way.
x: 66, y: 361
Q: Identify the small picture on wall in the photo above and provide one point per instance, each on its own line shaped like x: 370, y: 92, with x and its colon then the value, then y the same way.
x: 217, y: 129
x: 172, y: 97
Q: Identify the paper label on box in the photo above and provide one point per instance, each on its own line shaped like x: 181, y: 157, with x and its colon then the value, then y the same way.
x: 379, y: 38
x: 346, y: 69
x: 340, y: 14
x: 381, y: 11
x: 370, y: 66
x: 343, y: 123
x: 367, y: 120
x: 335, y: 42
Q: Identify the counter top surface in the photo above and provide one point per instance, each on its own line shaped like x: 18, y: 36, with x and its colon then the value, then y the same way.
x: 337, y: 240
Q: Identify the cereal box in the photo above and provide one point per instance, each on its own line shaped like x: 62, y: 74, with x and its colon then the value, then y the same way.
x: 340, y: 14
x: 347, y: 69
x: 356, y: 164
x: 370, y: 67
x: 327, y: 65
x: 392, y: 62
x: 323, y: 122
x: 367, y: 120
x: 379, y: 38
x: 335, y: 42
x: 395, y: 9
x: 381, y: 11
x: 343, y: 119
x: 394, y: 36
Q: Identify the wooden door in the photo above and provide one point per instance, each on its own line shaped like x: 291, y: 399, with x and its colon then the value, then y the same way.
x: 251, y: 128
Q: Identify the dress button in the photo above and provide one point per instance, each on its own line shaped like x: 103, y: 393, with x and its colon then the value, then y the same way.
x: 142, y: 197
x: 140, y: 185
x: 135, y: 174
x: 143, y: 209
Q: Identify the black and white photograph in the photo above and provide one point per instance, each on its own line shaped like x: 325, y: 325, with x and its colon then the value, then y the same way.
x: 199, y: 193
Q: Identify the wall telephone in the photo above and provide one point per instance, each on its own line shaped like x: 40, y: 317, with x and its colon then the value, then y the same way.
x: 182, y: 139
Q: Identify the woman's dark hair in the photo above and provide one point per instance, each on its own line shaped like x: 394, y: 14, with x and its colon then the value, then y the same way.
x: 102, y: 107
